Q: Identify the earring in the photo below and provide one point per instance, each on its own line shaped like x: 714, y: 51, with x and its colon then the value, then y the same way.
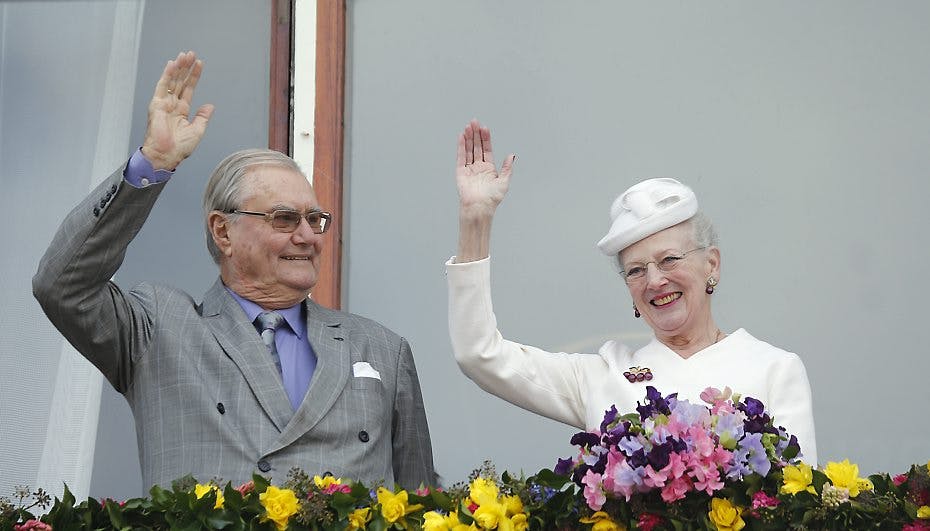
x: 711, y: 282
x: 635, y: 312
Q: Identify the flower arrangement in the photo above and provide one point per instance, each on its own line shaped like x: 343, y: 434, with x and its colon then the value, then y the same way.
x: 671, y: 465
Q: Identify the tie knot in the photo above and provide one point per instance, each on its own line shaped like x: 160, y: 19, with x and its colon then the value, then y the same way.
x: 269, y: 321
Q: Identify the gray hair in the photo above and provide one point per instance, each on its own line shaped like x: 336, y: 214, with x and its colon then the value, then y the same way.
x: 703, y: 234
x: 227, y: 186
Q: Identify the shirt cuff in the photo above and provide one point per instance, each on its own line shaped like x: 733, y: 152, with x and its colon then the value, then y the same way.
x: 139, y: 172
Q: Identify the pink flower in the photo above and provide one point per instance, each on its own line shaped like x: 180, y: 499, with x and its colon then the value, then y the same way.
x: 647, y: 521
x: 246, y: 487
x: 718, y: 399
x: 899, y: 480
x: 655, y: 479
x: 36, y: 525
x: 676, y: 489
x: 593, y: 494
x: 336, y: 487
x: 761, y: 499
x: 916, y: 525
x: 422, y: 491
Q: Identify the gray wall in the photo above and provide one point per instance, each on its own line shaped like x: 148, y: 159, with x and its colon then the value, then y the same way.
x: 803, y: 127
x: 234, y: 44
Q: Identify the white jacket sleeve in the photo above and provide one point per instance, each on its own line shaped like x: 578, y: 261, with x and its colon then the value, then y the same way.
x: 549, y: 384
x: 791, y: 404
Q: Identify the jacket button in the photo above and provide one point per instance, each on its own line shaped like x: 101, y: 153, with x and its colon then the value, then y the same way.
x: 363, y: 436
x: 264, y: 466
x: 113, y: 189
x: 221, y: 408
x: 103, y: 203
x: 96, y: 212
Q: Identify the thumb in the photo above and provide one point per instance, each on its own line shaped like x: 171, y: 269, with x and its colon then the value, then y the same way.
x: 507, y: 166
x: 203, y: 116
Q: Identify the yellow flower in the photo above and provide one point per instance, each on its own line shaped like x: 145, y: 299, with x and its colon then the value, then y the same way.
x: 923, y: 512
x: 519, y: 522
x: 844, y: 475
x: 482, y: 491
x: 433, y: 521
x: 797, y: 478
x: 865, y: 484
x: 394, y: 506
x: 326, y: 481
x: 358, y: 519
x: 513, y: 504
x: 201, y: 490
x: 279, y: 504
x: 492, y: 515
x: 725, y: 515
x: 602, y: 522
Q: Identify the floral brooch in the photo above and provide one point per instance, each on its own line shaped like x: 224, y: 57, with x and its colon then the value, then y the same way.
x: 638, y: 374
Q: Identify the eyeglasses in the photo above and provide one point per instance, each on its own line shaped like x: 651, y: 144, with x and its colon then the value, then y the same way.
x: 636, y: 271
x: 289, y: 220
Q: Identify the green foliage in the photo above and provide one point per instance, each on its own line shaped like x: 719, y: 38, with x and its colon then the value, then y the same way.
x: 549, y: 501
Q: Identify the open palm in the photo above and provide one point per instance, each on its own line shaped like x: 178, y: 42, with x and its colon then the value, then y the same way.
x: 481, y: 187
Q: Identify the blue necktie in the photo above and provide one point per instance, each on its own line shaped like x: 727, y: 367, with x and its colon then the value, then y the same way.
x: 267, y: 323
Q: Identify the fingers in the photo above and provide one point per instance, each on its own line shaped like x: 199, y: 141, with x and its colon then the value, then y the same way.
x: 477, y: 150
x: 193, y: 76
x: 468, y: 137
x: 486, y: 154
x: 179, y: 77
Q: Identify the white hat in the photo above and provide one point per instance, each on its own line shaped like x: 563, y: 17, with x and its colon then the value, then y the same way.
x: 645, y: 209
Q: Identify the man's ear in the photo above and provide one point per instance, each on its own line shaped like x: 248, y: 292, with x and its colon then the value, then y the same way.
x: 219, y: 230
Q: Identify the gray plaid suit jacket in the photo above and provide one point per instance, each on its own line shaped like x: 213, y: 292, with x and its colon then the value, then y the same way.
x: 205, y: 394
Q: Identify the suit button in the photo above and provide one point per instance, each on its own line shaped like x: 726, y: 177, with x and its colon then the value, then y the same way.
x: 103, y: 203
x: 113, y: 189
x: 221, y: 408
x: 363, y: 436
x: 264, y: 466
x: 96, y: 212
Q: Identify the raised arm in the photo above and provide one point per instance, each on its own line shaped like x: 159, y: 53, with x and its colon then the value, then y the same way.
x: 171, y: 135
x: 481, y: 189
x: 109, y: 327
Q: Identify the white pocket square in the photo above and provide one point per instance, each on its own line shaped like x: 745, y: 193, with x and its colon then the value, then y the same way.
x: 362, y: 369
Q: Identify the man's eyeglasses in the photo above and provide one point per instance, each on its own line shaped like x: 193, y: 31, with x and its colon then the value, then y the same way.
x: 636, y: 271
x: 289, y: 220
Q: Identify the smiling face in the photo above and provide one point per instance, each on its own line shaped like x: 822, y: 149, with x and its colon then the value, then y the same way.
x: 274, y: 269
x: 674, y: 303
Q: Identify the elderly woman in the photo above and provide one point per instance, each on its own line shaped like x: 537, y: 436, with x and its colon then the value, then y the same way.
x: 667, y: 254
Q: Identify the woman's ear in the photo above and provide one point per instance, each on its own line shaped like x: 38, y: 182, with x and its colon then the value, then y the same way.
x: 713, y: 260
x: 219, y: 230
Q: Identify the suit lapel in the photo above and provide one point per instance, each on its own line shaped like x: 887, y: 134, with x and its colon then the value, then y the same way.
x: 331, y: 345
x: 238, y: 338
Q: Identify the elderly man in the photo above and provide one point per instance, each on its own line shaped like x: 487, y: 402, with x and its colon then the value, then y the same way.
x: 257, y: 377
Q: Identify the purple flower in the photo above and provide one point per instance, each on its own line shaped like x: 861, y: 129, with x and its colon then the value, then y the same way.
x: 752, y: 407
x: 609, y: 417
x: 629, y: 445
x: 655, y: 403
x: 659, y: 455
x: 586, y: 439
x: 750, y: 456
x: 730, y: 424
x: 564, y: 466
